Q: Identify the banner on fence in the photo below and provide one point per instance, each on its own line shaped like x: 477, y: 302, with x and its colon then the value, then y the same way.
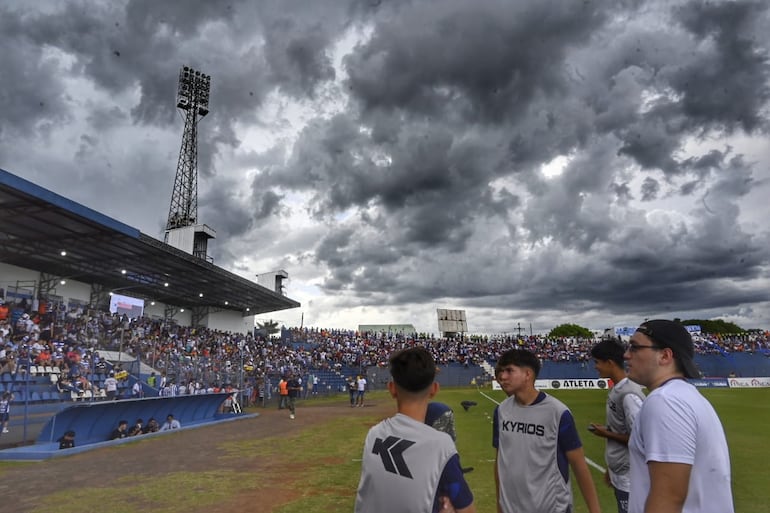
x: 749, y: 382
x: 709, y: 382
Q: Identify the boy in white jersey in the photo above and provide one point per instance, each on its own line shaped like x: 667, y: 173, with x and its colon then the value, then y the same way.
x: 407, y: 466
x: 537, y: 443
x: 678, y: 450
x: 623, y: 404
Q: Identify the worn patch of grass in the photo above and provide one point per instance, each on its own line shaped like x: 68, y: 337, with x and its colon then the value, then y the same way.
x: 177, y: 492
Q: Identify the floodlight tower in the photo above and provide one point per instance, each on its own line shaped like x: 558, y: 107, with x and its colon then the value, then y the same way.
x: 183, y: 230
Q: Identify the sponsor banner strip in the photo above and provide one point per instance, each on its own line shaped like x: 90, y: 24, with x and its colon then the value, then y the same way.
x: 749, y: 382
x: 572, y: 384
x: 709, y: 382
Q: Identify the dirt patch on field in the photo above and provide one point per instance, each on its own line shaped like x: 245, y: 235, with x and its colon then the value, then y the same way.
x: 24, y: 487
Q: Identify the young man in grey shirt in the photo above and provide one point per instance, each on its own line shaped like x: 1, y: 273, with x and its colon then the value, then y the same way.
x: 623, y: 404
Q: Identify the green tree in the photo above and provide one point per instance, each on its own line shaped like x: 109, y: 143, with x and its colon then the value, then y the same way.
x: 268, y: 328
x: 570, y: 330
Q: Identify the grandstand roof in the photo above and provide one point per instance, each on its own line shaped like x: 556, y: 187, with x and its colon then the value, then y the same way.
x: 36, y: 225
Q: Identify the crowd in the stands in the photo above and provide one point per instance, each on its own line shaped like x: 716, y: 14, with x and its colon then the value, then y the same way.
x: 71, y: 339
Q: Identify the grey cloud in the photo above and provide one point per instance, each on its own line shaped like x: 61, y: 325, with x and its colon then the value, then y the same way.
x: 486, y: 56
x: 650, y: 189
x: 727, y: 83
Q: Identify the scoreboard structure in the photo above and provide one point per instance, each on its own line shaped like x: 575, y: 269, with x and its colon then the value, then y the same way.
x: 451, y: 322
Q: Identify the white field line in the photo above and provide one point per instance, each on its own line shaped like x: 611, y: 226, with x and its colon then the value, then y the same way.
x: 590, y: 462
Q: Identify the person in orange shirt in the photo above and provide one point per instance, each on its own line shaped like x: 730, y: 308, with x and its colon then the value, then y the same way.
x: 3, y: 311
x: 283, y: 391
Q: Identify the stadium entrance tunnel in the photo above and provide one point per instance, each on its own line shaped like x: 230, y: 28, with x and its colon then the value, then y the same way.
x: 94, y: 422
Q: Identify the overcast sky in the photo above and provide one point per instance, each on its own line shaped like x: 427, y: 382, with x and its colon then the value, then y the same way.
x: 531, y: 162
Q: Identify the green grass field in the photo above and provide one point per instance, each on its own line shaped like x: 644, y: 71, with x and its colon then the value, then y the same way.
x: 745, y: 415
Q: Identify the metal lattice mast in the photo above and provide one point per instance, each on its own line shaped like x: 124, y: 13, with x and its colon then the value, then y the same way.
x: 193, y: 98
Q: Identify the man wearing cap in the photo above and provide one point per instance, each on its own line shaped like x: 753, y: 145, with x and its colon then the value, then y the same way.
x: 678, y: 450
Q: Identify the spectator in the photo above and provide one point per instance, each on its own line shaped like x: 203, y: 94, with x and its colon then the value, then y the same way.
x: 137, y: 392
x: 171, y: 423
x: 67, y: 440
x: 152, y: 426
x: 5, y: 410
x: 111, y: 387
x: 121, y: 431
x: 137, y: 428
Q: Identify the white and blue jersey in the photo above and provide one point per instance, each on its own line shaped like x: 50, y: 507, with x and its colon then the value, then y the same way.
x: 407, y: 465
x: 532, y: 443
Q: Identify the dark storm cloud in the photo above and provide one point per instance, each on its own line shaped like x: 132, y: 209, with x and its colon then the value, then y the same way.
x: 33, y: 93
x: 486, y: 57
x: 727, y: 83
x: 418, y: 143
x: 423, y: 159
x: 650, y: 188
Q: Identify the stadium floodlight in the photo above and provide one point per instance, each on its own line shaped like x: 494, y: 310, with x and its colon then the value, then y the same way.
x: 165, y: 284
x: 63, y: 282
x: 200, y: 294
x: 63, y: 253
x: 193, y: 98
x: 227, y: 303
x: 123, y: 271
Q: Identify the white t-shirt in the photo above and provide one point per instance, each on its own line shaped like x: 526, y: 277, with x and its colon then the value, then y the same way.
x: 676, y: 424
x: 361, y: 384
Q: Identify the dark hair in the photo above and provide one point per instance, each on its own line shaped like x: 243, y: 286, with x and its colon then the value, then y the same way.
x: 609, y: 350
x: 519, y: 358
x: 413, y: 369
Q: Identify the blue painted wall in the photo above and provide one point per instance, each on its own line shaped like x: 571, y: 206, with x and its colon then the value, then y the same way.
x: 93, y: 422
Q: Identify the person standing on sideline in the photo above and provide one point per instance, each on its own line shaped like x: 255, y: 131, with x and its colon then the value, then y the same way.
x: 294, y: 389
x: 678, y: 449
x: 352, y: 388
x: 407, y: 465
x: 361, y: 387
x: 535, y: 438
x: 283, y: 392
x: 623, y: 403
x: 5, y: 410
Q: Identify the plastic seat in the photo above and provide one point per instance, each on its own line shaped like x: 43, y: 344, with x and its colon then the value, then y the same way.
x: 35, y: 397
x: 54, y: 378
x: 33, y: 370
x: 55, y: 370
x: 47, y: 396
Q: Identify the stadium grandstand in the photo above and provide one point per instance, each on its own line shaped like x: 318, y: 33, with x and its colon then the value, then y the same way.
x: 62, y: 253
x: 61, y: 261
